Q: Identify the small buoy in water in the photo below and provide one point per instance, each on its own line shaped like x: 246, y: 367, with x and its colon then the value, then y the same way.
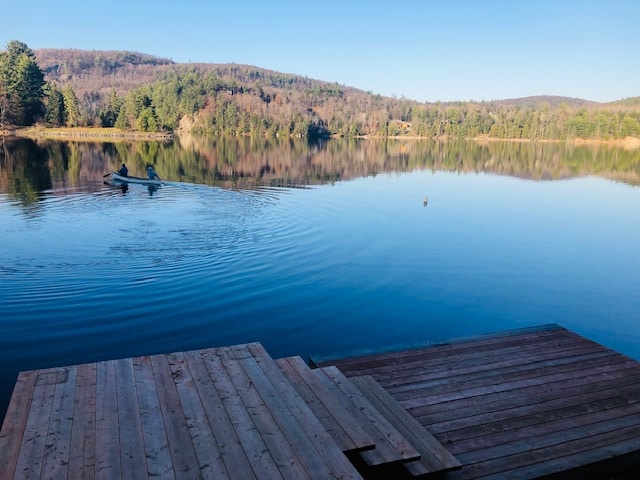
x: 425, y: 201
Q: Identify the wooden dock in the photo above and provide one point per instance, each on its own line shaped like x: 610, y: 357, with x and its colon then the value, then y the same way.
x: 531, y: 403
x: 222, y: 413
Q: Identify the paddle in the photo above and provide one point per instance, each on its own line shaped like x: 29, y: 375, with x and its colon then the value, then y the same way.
x: 106, y: 175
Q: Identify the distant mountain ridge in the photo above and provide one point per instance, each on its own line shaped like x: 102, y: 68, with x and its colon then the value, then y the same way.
x: 85, y: 70
x: 551, y: 100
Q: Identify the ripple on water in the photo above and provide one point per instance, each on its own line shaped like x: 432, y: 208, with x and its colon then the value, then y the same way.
x: 106, y: 274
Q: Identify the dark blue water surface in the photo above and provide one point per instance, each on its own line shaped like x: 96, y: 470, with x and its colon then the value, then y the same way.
x: 90, y: 273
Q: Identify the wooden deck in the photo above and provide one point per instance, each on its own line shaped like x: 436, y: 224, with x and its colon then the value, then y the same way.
x: 531, y: 403
x: 230, y: 412
x: 205, y: 414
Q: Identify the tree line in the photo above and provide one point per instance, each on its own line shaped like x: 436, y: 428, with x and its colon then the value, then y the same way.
x: 241, y: 100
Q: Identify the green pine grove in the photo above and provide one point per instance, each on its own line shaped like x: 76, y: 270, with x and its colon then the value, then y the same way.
x: 235, y: 100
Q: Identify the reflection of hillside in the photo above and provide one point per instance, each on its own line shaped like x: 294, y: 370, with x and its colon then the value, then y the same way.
x: 250, y: 162
x: 28, y: 167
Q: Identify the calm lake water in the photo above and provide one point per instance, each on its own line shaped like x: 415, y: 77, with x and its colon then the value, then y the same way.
x: 310, y: 248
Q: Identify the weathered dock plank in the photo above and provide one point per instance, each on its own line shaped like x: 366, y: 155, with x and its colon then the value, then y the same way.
x: 558, y: 403
x: 339, y: 421
x: 56, y: 457
x: 279, y: 390
x: 391, y: 445
x: 265, y: 421
x: 201, y: 404
x: 82, y: 449
x: 395, y: 356
x: 154, y: 433
x: 239, y: 440
x: 185, y: 463
x: 132, y: 453
x: 490, y: 367
x: 31, y: 455
x: 15, y: 422
x: 579, y: 419
x: 434, y: 458
x: 107, y: 442
x: 509, y: 382
x: 547, y: 459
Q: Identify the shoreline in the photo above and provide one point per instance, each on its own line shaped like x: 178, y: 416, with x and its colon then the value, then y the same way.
x: 104, y: 134
x: 83, y: 133
x: 630, y: 143
x: 627, y: 142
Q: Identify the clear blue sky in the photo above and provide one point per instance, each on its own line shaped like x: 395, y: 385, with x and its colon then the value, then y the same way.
x: 421, y: 49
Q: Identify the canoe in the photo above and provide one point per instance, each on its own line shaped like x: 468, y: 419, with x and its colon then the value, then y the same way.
x: 130, y: 179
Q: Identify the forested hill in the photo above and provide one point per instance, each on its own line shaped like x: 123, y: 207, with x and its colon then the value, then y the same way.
x: 550, y: 100
x: 136, y: 91
x: 100, y: 71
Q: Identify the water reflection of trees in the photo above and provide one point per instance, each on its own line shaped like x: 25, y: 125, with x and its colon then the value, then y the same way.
x: 28, y: 167
x: 24, y: 170
x: 249, y: 162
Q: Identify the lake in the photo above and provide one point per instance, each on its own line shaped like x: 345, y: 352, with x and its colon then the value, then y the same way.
x: 310, y: 248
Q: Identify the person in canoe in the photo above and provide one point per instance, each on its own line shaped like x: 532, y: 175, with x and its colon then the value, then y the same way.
x: 124, y: 171
x: 151, y: 173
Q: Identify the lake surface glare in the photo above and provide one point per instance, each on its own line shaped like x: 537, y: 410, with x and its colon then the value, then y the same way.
x: 89, y: 272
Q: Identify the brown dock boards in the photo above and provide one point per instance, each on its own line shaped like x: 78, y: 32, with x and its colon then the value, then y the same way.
x: 524, y: 404
x: 339, y: 421
x: 433, y: 456
x: 15, y: 422
x: 528, y: 403
x: 220, y: 413
x: 351, y: 408
x: 391, y: 446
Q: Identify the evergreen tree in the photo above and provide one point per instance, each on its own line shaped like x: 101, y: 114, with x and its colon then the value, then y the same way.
x: 147, y: 121
x: 22, y: 83
x: 54, y: 115
x: 109, y: 115
x: 4, y: 103
x: 71, y: 110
